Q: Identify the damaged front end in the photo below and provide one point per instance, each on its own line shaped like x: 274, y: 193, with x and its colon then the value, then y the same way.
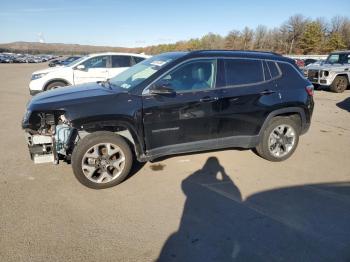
x: 50, y: 136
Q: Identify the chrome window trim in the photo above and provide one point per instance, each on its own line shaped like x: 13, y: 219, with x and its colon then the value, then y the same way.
x: 215, y: 59
x: 146, y: 89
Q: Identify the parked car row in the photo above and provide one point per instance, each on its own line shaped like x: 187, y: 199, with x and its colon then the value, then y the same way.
x: 24, y: 58
x: 64, y: 61
x: 301, y: 63
x: 167, y: 104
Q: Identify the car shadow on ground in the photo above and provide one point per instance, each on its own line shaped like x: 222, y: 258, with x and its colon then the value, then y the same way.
x: 345, y: 104
x: 301, y: 223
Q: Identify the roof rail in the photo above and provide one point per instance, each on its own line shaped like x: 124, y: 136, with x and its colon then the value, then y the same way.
x: 235, y: 50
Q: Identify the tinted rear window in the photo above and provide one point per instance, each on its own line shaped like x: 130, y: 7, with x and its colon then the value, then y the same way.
x: 121, y: 61
x: 138, y: 59
x: 273, y: 69
x: 289, y: 70
x: 292, y: 78
x: 243, y: 71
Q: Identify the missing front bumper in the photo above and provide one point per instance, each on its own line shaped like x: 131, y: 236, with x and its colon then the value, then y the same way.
x: 41, y: 149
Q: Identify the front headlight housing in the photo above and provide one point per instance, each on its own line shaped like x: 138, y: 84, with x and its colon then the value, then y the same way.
x: 26, y: 116
x: 37, y: 76
x: 325, y: 73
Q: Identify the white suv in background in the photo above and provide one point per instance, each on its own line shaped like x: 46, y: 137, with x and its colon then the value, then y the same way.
x: 90, y: 68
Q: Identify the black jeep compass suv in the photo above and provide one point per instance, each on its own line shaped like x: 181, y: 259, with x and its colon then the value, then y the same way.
x: 168, y: 104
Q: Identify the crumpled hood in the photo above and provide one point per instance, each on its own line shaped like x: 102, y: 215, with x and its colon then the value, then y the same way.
x: 333, y: 67
x: 61, y: 97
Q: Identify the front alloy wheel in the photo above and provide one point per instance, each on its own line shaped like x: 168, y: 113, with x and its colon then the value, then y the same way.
x: 103, y: 163
x: 101, y: 160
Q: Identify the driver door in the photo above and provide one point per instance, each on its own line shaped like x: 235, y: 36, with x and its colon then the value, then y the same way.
x: 95, y: 69
x: 185, y: 119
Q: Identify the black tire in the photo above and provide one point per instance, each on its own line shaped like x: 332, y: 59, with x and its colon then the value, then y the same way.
x: 54, y: 85
x: 339, y: 84
x: 94, y: 139
x: 263, y: 148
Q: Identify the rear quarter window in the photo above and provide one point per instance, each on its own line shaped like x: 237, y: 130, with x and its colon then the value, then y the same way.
x: 243, y: 72
x: 289, y: 70
x: 291, y: 77
x: 273, y: 68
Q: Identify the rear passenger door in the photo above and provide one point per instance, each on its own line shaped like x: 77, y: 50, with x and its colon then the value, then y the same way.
x: 247, y: 95
x: 119, y: 63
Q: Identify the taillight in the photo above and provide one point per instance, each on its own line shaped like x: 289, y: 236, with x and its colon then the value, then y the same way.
x: 310, y: 90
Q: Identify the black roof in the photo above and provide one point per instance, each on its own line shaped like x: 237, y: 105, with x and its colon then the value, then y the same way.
x: 239, y: 53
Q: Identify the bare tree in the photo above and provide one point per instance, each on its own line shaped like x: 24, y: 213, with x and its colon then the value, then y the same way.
x: 260, y: 37
x: 233, y: 40
x: 247, y: 37
x: 295, y: 27
x: 336, y: 24
x: 212, y: 41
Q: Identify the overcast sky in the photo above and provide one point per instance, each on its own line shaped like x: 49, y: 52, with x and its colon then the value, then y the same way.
x: 140, y: 23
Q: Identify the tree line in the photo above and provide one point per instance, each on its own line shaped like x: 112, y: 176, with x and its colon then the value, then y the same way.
x: 298, y: 35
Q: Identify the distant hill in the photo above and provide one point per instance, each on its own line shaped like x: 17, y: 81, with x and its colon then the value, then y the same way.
x: 60, y: 48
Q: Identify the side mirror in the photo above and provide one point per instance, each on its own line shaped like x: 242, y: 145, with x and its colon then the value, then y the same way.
x: 162, y: 89
x: 80, y: 67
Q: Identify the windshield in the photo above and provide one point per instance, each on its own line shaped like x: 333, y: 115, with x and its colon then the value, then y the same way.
x: 75, y: 62
x: 136, y: 74
x: 342, y: 58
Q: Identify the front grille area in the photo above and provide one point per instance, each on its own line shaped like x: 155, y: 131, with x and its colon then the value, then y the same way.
x: 313, y: 75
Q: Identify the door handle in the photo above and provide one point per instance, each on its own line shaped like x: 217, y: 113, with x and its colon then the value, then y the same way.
x: 208, y: 99
x: 267, y: 92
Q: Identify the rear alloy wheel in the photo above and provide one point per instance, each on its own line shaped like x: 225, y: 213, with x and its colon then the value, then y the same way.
x: 339, y: 84
x: 55, y: 85
x: 101, y: 160
x: 279, y: 140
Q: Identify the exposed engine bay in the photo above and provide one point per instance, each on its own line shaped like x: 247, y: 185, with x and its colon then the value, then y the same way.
x: 50, y: 138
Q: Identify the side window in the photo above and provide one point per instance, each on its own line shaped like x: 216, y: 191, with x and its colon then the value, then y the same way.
x: 243, y: 71
x: 96, y: 62
x: 121, y: 61
x: 191, y: 76
x: 273, y: 67
x: 138, y: 59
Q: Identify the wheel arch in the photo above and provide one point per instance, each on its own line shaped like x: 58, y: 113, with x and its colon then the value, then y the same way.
x: 287, y: 112
x: 346, y: 74
x: 56, y: 80
x: 119, y: 127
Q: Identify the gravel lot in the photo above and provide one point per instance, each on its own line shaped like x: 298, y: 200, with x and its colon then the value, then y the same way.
x: 226, y: 205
